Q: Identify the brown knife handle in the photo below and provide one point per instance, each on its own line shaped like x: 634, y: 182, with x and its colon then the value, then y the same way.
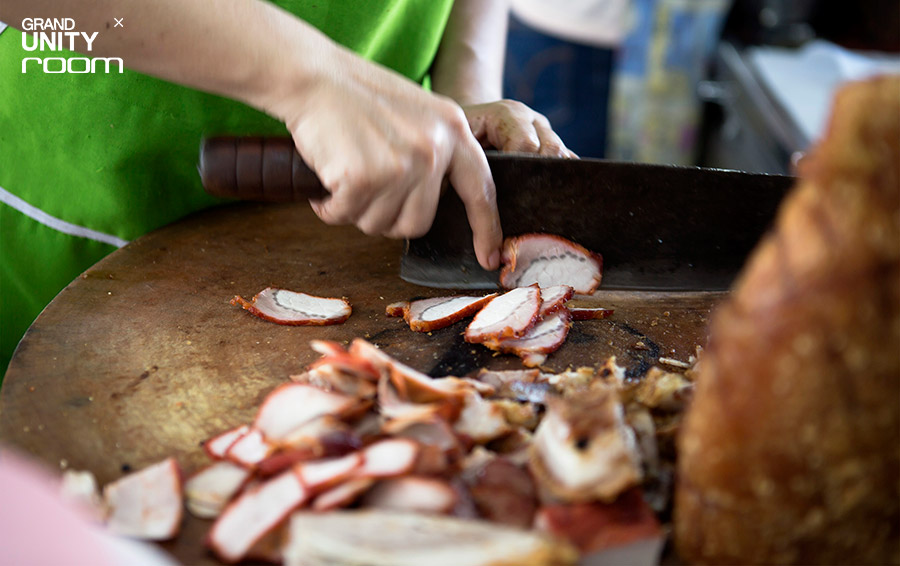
x: 257, y: 168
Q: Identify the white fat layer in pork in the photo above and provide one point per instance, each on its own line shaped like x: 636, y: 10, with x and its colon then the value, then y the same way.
x: 254, y: 514
x: 209, y: 490
x: 435, y: 309
x: 290, y: 305
x: 481, y: 420
x: 511, y: 313
x: 146, y: 504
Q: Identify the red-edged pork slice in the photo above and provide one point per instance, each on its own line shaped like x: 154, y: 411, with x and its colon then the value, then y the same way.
x: 296, y: 309
x: 291, y: 405
x: 321, y: 474
x: 396, y: 309
x: 250, y: 449
x: 217, y: 446
x: 412, y: 493
x: 432, y: 314
x: 254, y: 514
x: 146, y: 504
x: 510, y: 315
x: 554, y: 298
x: 549, y: 260
x: 593, y: 313
x: 208, y: 491
x: 625, y: 531
x: 391, y: 406
x: 439, y: 445
x: 544, y: 338
x: 343, y: 494
x: 388, y: 458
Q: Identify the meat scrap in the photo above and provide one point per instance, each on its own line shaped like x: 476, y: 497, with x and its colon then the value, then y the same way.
x: 146, y: 504
x: 583, y: 450
x: 624, y: 531
x: 510, y: 315
x: 549, y: 260
x: 433, y: 314
x: 289, y: 307
x: 412, y: 493
x: 590, y: 313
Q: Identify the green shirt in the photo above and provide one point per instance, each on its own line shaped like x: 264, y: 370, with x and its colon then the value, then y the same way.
x: 117, y: 153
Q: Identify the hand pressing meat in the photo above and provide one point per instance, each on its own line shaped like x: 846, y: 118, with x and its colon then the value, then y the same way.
x: 790, y: 451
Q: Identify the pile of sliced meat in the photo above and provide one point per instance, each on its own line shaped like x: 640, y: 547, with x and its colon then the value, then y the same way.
x: 530, y: 320
x: 363, y: 459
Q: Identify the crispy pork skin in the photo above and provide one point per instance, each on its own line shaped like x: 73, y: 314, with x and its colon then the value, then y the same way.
x: 790, y: 449
x: 549, y: 260
x: 295, y: 309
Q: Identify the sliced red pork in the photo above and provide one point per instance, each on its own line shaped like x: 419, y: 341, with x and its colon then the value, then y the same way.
x: 542, y: 339
x: 292, y: 308
x: 433, y: 314
x: 254, y: 514
x: 510, y: 315
x: 549, y: 260
x: 217, y: 446
x: 554, y: 298
x: 291, y: 405
x: 146, y: 504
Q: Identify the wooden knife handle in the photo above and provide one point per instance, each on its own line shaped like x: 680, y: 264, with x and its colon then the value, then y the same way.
x: 265, y: 169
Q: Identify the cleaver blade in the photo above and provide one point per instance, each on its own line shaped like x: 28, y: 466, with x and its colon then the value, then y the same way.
x: 658, y: 227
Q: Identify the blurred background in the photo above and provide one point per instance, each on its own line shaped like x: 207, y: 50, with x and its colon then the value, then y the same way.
x: 743, y: 84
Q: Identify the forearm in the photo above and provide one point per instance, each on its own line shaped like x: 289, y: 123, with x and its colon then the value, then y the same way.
x: 469, y: 65
x: 248, y: 50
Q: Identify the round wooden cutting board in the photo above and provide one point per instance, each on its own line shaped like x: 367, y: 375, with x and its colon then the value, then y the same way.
x: 142, y: 357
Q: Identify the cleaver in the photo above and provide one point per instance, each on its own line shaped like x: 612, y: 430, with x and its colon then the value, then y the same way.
x: 658, y: 227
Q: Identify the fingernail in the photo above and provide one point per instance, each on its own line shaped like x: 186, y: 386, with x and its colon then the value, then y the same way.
x: 494, y: 260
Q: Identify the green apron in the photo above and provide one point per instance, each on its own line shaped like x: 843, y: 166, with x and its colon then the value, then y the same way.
x: 117, y: 153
